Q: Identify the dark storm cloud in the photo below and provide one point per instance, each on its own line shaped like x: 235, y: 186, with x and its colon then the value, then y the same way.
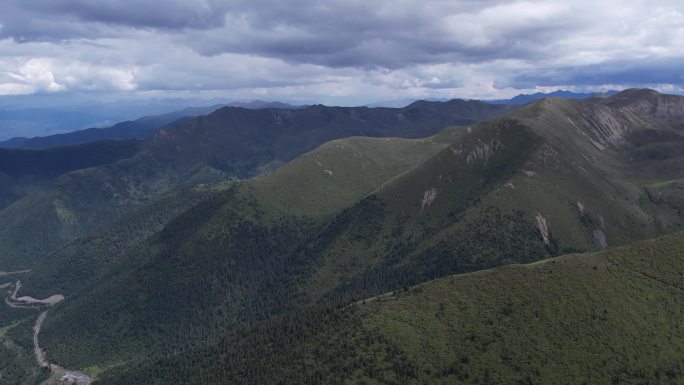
x: 382, y: 34
x: 32, y: 18
x: 390, y: 34
x: 635, y: 72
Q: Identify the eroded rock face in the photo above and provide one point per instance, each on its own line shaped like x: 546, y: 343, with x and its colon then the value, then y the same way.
x: 650, y: 105
x: 600, y: 237
x: 543, y: 226
x: 481, y: 151
x: 428, y: 197
x: 604, y: 128
x: 580, y: 207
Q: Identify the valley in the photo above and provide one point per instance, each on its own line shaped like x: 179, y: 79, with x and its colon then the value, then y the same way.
x: 420, y: 254
x: 54, y: 371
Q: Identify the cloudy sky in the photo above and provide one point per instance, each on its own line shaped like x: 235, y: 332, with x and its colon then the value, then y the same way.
x: 337, y: 51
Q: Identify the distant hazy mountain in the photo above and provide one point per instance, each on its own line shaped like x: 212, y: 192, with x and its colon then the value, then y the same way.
x: 138, y: 128
x: 520, y: 99
x: 29, y: 122
x: 29, y: 117
x: 526, y: 98
x: 259, y: 104
x: 400, y: 103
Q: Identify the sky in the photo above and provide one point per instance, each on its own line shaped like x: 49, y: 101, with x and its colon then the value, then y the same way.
x: 344, y: 52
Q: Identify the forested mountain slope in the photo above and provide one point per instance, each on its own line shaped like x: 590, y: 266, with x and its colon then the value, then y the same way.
x: 231, y: 143
x: 236, y: 262
x: 23, y: 172
x: 555, y: 177
x: 609, y: 317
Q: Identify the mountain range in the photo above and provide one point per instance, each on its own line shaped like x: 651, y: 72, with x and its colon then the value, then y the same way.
x: 442, y: 242
x: 230, y: 143
x: 138, y: 128
x: 135, y: 129
x: 516, y: 100
x: 527, y: 98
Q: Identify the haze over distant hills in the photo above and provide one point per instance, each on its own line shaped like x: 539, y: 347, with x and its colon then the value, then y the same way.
x: 517, y: 100
x: 19, y: 126
x: 28, y: 127
x: 138, y: 128
x: 526, y: 98
x: 41, y: 121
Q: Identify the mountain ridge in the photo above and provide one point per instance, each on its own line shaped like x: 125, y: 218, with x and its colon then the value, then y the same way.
x: 527, y: 98
x: 230, y: 143
x: 515, y: 189
x: 357, y: 218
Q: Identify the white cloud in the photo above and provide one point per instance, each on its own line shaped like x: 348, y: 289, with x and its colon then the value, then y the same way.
x: 60, y: 74
x: 16, y: 89
x: 37, y: 73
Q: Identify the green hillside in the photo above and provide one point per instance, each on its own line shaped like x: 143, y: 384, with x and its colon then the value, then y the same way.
x: 554, y: 177
x: 325, y: 230
x: 247, y: 235
x: 609, y: 317
x: 355, y: 218
x: 23, y: 172
x: 229, y: 144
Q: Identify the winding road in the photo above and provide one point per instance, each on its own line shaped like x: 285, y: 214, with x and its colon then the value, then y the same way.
x: 27, y: 301
x: 40, y: 355
x: 12, y: 300
x: 5, y: 273
x: 70, y: 376
x: 67, y: 375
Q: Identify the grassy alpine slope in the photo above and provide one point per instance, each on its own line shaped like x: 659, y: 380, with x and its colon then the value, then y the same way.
x: 562, y: 169
x: 228, y: 144
x: 608, y: 317
x: 247, y: 235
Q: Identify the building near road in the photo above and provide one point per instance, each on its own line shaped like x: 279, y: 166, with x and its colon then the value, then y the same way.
x: 75, y: 378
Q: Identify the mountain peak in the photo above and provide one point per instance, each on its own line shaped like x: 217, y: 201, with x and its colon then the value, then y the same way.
x: 649, y: 104
x: 636, y: 93
x: 527, y: 98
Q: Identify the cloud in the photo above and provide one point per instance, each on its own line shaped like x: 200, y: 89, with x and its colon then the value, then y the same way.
x: 55, y: 75
x: 59, y: 19
x: 37, y: 74
x: 635, y: 72
x: 349, y: 49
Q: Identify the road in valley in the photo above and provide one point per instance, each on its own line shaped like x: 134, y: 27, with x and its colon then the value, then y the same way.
x: 40, y: 355
x: 66, y: 375
x: 27, y: 301
x: 5, y: 273
x: 69, y: 376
